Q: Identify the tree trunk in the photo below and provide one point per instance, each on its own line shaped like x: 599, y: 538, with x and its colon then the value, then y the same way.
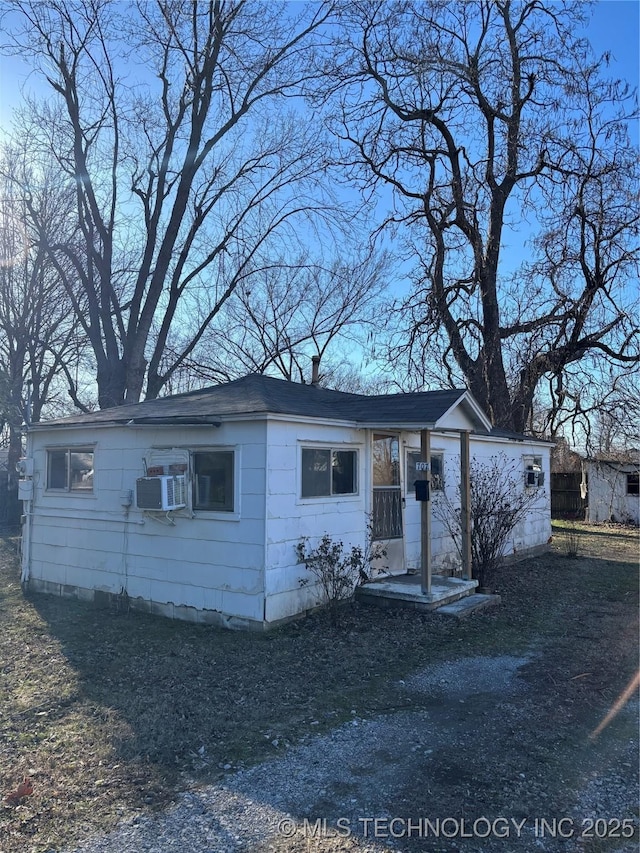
x: 15, y: 452
x: 112, y: 385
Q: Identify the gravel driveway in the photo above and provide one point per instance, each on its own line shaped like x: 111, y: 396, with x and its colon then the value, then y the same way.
x: 470, y: 767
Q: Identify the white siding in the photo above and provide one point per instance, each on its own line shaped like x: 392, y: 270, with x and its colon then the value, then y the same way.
x: 607, y: 496
x: 208, y: 562
x: 290, y: 517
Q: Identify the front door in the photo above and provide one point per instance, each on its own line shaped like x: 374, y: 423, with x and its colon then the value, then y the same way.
x: 386, y: 517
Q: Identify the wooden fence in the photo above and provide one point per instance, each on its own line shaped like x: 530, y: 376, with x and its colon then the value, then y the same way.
x: 566, y: 499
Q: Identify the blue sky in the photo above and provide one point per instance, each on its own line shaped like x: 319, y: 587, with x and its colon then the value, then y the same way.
x: 615, y: 26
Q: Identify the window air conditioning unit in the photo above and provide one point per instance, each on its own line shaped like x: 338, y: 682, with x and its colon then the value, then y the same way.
x: 161, y: 493
x: 534, y: 478
x: 24, y: 467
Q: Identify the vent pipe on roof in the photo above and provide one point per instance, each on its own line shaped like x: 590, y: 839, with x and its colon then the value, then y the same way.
x: 315, y: 369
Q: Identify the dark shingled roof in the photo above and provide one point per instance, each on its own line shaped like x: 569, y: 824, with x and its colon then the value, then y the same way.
x: 261, y: 395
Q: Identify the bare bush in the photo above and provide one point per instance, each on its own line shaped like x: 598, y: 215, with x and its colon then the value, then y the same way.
x: 338, y: 572
x: 499, y: 501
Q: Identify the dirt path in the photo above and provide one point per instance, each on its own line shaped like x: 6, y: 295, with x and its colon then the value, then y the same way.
x: 474, y: 765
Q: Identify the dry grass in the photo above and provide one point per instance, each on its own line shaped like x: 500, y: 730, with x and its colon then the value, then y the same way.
x: 110, y: 712
x: 596, y: 540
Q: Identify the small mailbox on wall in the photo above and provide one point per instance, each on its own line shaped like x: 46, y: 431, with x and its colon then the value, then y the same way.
x: 422, y: 490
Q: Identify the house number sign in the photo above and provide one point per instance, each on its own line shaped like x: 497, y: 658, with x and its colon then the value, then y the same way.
x: 422, y: 466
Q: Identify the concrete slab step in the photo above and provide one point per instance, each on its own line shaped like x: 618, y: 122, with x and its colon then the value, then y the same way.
x: 405, y: 591
x: 464, y: 607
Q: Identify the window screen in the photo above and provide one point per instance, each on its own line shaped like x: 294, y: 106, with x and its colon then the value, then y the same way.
x: 213, y: 480
x: 327, y: 472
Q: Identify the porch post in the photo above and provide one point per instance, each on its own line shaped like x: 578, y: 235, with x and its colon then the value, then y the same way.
x: 425, y: 515
x: 465, y: 505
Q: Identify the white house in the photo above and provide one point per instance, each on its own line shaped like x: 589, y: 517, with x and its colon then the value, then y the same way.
x: 192, y: 505
x: 614, y: 492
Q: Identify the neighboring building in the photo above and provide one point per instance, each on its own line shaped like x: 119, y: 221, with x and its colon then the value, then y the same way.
x: 192, y: 505
x: 614, y: 493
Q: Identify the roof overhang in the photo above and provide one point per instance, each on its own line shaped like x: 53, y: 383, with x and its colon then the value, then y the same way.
x: 175, y: 420
x: 467, y: 407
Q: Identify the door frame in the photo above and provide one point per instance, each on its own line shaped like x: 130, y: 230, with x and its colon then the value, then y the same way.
x: 395, y: 546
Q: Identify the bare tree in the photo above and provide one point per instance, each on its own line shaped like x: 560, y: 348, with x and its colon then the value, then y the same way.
x: 594, y: 405
x: 617, y: 421
x: 167, y: 119
x: 490, y: 120
x: 291, y: 309
x: 39, y: 346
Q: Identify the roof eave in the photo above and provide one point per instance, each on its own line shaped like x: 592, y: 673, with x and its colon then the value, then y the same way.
x: 409, y: 426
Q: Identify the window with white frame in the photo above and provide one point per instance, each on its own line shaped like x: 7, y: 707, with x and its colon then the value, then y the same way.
x: 70, y: 469
x: 633, y: 484
x: 328, y: 472
x: 533, y: 473
x: 437, y: 471
x: 213, y: 480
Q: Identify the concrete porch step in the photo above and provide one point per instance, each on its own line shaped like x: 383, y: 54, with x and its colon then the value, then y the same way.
x: 464, y: 607
x: 405, y: 591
